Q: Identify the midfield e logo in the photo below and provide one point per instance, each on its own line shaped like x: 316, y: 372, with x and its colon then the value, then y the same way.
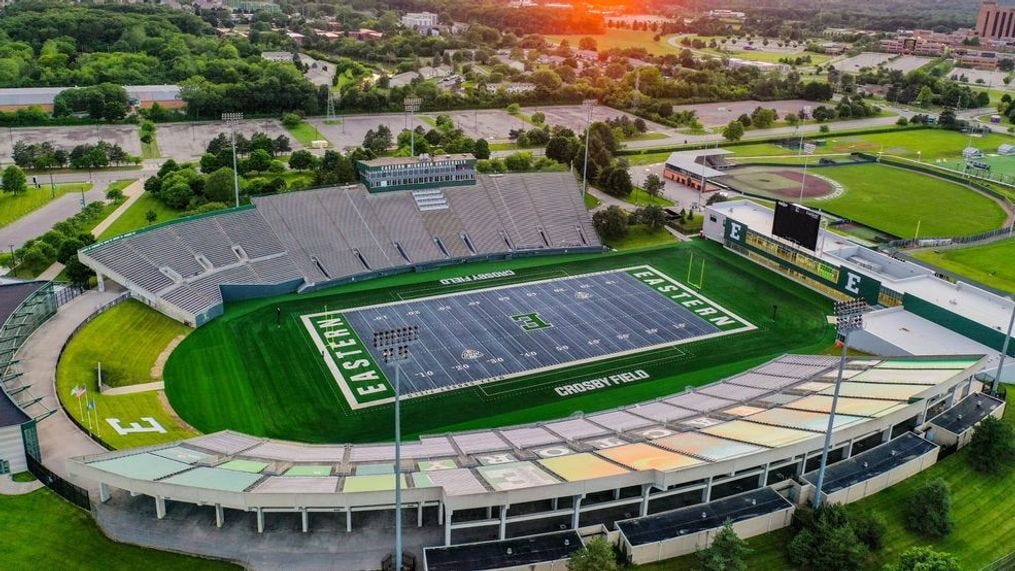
x: 530, y: 321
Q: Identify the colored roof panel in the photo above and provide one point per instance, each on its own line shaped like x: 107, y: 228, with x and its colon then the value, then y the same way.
x: 576, y: 429
x: 374, y: 469
x: 846, y: 405
x: 515, y: 476
x: 443, y: 464
x: 373, y: 483
x: 141, y: 466
x: 215, y: 479
x: 763, y: 435
x: 742, y: 410
x: 812, y: 386
x: 643, y: 456
x: 619, y: 420
x: 904, y: 376
x: 244, y: 466
x: 706, y: 446
x: 228, y: 443
x: 583, y: 466
x: 661, y: 412
x: 877, y: 391
x: 297, y: 485
x: 529, y: 436
x: 456, y: 482
x: 181, y: 454
x: 804, y: 420
x: 928, y: 364
x: 293, y: 452
x: 317, y: 471
x: 699, y: 402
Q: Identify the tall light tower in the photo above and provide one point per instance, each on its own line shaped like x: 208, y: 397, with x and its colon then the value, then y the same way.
x: 848, y: 318
x: 589, y: 105
x: 232, y: 119
x: 396, y: 347
x: 412, y: 105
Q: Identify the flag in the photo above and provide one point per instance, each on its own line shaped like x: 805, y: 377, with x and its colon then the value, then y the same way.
x: 78, y: 391
x: 91, y: 405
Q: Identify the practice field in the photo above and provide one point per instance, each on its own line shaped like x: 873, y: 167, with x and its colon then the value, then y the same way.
x: 999, y: 165
x: 474, y: 338
x: 907, y: 204
x: 256, y: 370
x: 989, y: 264
x: 780, y: 183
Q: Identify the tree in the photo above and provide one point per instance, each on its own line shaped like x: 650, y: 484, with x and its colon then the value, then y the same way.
x: 616, y: 181
x: 514, y: 109
x: 654, y: 185
x: 302, y: 160
x: 902, y: 122
x: 258, y: 161
x: 652, y: 216
x: 291, y: 120
x: 561, y: 149
x: 210, y: 163
x: 925, y: 97
x: 763, y: 118
x: 78, y: 273
x: 992, y: 447
x: 150, y: 216
x: 827, y: 540
x: 792, y: 119
x: 587, y: 43
x: 519, y: 162
x: 947, y: 119
x: 482, y: 149
x: 929, y: 510
x: 611, y: 223
x: 218, y: 187
x: 726, y: 553
x: 733, y: 132
x: 596, y: 555
x: 114, y: 194
x: 546, y: 80
x: 13, y: 180
x: 925, y: 559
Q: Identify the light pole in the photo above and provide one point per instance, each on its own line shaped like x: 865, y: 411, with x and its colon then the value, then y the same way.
x: 589, y: 105
x: 396, y: 347
x: 1004, y: 353
x: 232, y: 119
x: 14, y: 262
x: 848, y: 318
x: 412, y: 105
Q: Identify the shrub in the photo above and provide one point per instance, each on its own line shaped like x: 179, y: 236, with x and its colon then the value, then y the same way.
x: 992, y: 447
x: 929, y: 510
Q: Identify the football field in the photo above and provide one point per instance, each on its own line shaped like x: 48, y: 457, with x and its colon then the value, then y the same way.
x: 492, y: 334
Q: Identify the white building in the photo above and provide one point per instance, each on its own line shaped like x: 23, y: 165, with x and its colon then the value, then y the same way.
x: 420, y: 20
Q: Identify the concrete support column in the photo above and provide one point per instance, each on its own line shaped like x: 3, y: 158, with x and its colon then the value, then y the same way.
x: 646, y: 489
x: 103, y: 493
x: 616, y: 494
x: 489, y: 512
x: 706, y: 494
x: 220, y: 516
x: 801, y: 464
x: 887, y: 435
x: 348, y: 520
x: 503, y: 521
x: 440, y: 513
x: 763, y: 479
x: 577, y: 511
x: 260, y: 520
x: 101, y: 282
x: 160, y: 507
x: 419, y: 514
x: 848, y: 452
x: 305, y: 517
x: 555, y: 504
x: 447, y: 527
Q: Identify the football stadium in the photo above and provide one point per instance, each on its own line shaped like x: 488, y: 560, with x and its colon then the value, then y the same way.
x: 547, y: 390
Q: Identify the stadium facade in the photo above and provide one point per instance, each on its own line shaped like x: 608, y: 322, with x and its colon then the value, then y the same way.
x: 302, y: 241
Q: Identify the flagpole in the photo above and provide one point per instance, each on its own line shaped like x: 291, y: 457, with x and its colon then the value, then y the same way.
x: 98, y: 429
x: 81, y: 408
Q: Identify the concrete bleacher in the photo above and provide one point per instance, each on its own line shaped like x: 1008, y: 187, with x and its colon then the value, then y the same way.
x: 309, y: 239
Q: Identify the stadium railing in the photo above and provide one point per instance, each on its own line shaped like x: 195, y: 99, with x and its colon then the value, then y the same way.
x: 66, y: 490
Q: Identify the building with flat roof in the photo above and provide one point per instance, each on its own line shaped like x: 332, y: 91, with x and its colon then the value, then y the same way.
x: 995, y: 22
x: 425, y: 171
x: 14, y: 98
x: 420, y: 21
x: 695, y: 168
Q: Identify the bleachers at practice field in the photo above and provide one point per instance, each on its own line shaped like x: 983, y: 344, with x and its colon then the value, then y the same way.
x: 328, y: 235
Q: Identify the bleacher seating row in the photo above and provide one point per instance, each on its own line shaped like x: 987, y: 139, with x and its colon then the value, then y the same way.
x: 324, y: 236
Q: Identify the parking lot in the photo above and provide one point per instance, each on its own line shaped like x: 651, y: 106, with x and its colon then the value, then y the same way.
x: 906, y: 64
x: 187, y: 141
x: 719, y: 114
x: 349, y: 131
x: 866, y: 59
x: 574, y: 117
x: 127, y: 136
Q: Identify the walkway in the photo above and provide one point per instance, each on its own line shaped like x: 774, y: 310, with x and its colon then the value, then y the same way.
x: 59, y: 437
x: 8, y: 487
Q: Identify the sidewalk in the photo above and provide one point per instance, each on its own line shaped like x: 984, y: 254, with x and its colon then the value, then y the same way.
x: 8, y: 487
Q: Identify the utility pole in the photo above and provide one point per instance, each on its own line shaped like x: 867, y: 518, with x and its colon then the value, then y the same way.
x: 396, y: 348
x: 232, y: 119
x: 589, y: 105
x: 412, y: 105
x: 848, y: 318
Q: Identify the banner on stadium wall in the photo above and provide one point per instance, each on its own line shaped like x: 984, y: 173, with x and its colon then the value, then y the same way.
x: 736, y: 231
x: 855, y: 284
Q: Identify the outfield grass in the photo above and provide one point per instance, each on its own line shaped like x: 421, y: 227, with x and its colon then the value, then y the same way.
x: 127, y: 339
x: 14, y: 206
x: 134, y: 217
x: 981, y: 507
x: 306, y: 134
x: 898, y: 201
x: 989, y: 264
x: 42, y: 531
x: 243, y: 372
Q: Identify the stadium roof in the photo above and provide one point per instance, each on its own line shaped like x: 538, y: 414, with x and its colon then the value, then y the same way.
x: 510, y: 553
x: 966, y: 413
x: 914, y: 335
x: 684, y: 160
x: 12, y: 295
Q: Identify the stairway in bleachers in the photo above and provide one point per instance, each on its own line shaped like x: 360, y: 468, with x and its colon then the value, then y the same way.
x: 430, y: 199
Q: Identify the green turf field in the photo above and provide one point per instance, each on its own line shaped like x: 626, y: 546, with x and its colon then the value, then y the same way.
x: 981, y: 507
x: 243, y: 372
x: 896, y: 201
x: 989, y: 264
x: 42, y: 531
x: 127, y: 339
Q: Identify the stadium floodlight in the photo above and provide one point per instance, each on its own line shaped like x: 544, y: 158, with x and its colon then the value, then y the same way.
x: 848, y: 318
x: 412, y: 105
x: 1004, y: 353
x: 396, y: 348
x: 589, y: 105
x: 232, y: 119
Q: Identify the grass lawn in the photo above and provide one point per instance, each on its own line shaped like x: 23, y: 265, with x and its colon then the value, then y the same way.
x: 639, y: 197
x: 897, y: 201
x: 306, y: 134
x: 23, y: 477
x: 225, y: 374
x: 14, y: 206
x: 134, y: 217
x: 42, y: 531
x: 151, y: 150
x: 639, y: 236
x: 622, y: 39
x: 591, y: 201
x: 127, y: 340
x: 989, y: 264
x: 982, y: 531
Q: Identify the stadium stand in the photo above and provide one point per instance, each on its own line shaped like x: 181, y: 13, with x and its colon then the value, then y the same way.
x: 724, y: 456
x: 312, y: 239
